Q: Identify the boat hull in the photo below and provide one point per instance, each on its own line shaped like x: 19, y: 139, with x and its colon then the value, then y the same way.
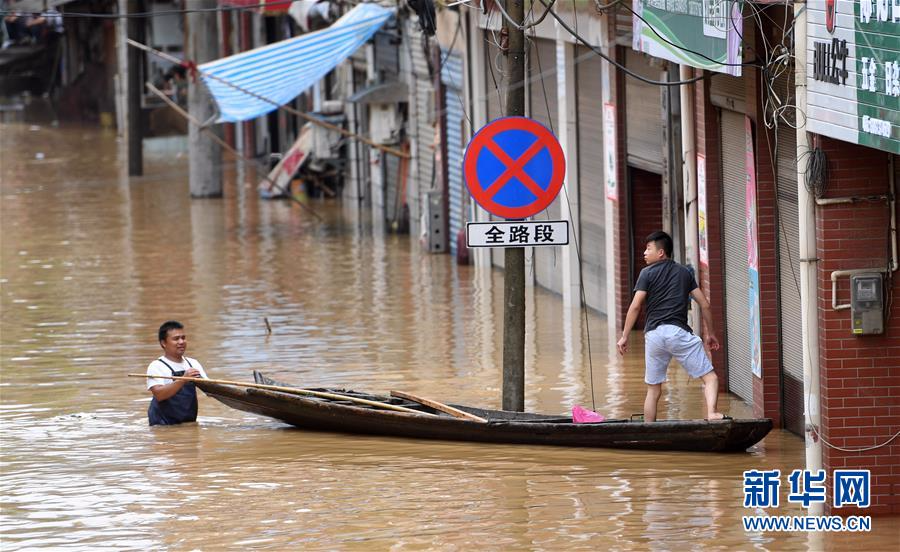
x: 503, y: 427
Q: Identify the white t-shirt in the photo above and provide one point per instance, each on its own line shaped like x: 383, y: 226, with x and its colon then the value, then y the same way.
x: 157, y: 368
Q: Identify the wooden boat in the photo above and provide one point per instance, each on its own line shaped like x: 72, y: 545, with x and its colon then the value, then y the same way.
x: 423, y: 422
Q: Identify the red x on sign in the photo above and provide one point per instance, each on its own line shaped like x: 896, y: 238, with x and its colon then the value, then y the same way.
x: 514, y: 167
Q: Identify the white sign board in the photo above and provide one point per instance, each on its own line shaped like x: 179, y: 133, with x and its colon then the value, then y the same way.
x: 280, y: 176
x: 853, y: 71
x: 525, y: 233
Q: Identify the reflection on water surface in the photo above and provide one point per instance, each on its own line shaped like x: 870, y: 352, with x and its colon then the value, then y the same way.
x: 92, y: 261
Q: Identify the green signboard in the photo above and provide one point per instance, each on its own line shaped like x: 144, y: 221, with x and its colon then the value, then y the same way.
x: 700, y: 33
x: 853, y: 71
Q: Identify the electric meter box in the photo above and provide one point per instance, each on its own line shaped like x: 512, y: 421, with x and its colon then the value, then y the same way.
x: 866, y: 304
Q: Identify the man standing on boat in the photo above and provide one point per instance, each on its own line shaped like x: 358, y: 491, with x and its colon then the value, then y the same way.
x: 666, y: 287
x: 174, y: 401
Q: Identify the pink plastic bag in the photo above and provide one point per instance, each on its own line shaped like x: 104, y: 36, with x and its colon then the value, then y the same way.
x: 584, y: 416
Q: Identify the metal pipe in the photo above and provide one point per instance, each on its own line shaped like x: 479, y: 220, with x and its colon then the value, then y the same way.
x: 689, y: 180
x: 852, y: 199
x: 808, y: 259
x: 892, y: 202
x: 892, y: 183
x: 850, y: 272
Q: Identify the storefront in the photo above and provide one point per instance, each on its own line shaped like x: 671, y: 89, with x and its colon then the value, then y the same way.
x: 592, y: 178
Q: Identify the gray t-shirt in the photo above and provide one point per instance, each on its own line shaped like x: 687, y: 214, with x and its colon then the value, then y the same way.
x: 668, y: 286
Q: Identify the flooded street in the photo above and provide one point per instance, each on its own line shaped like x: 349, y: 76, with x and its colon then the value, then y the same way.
x: 92, y: 261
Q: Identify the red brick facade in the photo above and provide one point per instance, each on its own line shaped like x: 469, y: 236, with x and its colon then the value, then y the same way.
x: 622, y: 224
x: 859, y: 376
x: 766, y: 390
x: 711, y: 281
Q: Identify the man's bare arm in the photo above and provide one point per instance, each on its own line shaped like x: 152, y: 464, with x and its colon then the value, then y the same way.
x: 711, y: 341
x: 630, y: 319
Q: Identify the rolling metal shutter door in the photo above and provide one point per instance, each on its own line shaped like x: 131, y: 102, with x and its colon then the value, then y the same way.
x: 734, y: 244
x: 452, y: 77
x: 643, y: 116
x: 789, y: 280
x: 592, y: 184
x: 544, y: 108
x: 424, y: 111
x: 728, y: 93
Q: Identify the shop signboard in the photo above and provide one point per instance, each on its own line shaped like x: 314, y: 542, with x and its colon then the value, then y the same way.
x: 853, y: 71
x: 701, y: 33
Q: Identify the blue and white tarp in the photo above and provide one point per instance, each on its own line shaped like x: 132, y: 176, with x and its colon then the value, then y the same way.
x: 282, y: 71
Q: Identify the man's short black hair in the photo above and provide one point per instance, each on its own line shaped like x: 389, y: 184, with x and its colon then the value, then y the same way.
x: 662, y: 240
x: 169, y: 325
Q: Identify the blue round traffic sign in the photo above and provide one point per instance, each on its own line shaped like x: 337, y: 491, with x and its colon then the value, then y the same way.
x: 514, y: 167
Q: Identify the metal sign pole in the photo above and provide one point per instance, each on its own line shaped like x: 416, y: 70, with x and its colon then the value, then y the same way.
x: 514, y: 269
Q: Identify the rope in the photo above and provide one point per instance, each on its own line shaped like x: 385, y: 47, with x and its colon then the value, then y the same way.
x: 178, y: 109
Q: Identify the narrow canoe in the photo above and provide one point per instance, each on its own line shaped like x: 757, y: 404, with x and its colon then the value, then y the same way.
x: 322, y: 414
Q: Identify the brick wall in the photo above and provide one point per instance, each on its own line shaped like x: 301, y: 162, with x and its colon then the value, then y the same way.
x: 766, y: 390
x: 707, y: 132
x: 859, y: 376
x: 621, y: 232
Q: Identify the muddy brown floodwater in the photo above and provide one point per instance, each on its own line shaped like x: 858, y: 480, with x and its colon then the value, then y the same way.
x: 92, y: 261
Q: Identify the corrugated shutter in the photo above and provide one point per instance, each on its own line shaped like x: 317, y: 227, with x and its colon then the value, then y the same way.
x: 424, y: 115
x: 544, y: 108
x: 643, y: 116
x: 734, y: 240
x: 728, y: 93
x: 592, y: 182
x: 452, y: 78
x: 789, y: 272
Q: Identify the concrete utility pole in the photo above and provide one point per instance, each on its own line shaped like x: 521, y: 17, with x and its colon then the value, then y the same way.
x: 514, y: 270
x: 808, y: 269
x: 202, y: 46
x: 135, y: 88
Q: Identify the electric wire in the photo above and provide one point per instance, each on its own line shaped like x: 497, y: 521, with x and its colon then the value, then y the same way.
x: 582, y: 294
x: 775, y: 107
x: 621, y: 67
x: 778, y: 62
x: 222, y: 143
x: 525, y: 26
x: 686, y: 49
x: 289, y: 109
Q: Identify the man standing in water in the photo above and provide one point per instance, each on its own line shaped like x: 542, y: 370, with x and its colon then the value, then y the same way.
x: 174, y: 401
x: 666, y: 287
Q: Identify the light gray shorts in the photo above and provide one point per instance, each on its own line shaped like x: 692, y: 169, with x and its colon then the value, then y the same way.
x: 667, y: 341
